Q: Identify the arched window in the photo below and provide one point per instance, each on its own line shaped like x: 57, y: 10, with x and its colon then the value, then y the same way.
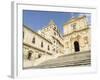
x: 76, y: 46
x: 39, y: 55
x: 29, y: 55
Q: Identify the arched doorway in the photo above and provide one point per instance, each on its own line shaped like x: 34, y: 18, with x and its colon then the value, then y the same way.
x: 29, y: 55
x: 76, y: 46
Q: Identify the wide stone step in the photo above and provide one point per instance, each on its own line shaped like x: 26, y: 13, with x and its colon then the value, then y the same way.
x: 83, y: 58
x: 64, y: 64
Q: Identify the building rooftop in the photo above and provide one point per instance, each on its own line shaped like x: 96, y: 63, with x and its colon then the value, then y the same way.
x: 74, y: 19
x: 37, y: 33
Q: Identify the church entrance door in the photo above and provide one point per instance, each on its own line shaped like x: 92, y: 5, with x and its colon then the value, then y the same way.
x: 76, y: 46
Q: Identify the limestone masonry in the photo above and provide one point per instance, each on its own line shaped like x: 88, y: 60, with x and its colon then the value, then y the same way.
x: 49, y: 43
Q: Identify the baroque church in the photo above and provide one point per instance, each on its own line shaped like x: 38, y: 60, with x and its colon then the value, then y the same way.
x: 48, y: 43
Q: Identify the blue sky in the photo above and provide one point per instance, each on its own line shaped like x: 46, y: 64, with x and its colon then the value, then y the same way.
x: 36, y: 20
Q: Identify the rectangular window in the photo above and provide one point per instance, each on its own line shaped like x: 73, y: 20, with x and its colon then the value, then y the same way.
x: 41, y: 44
x: 54, y: 41
x: 55, y: 33
x: 73, y: 26
x: 23, y: 34
x: 54, y: 49
x: 33, y: 40
x: 48, y: 47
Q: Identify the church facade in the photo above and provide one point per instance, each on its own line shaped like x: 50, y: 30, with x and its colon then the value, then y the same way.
x: 49, y: 43
x: 77, y: 35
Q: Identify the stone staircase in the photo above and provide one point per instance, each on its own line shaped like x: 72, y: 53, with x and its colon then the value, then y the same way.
x: 75, y: 59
